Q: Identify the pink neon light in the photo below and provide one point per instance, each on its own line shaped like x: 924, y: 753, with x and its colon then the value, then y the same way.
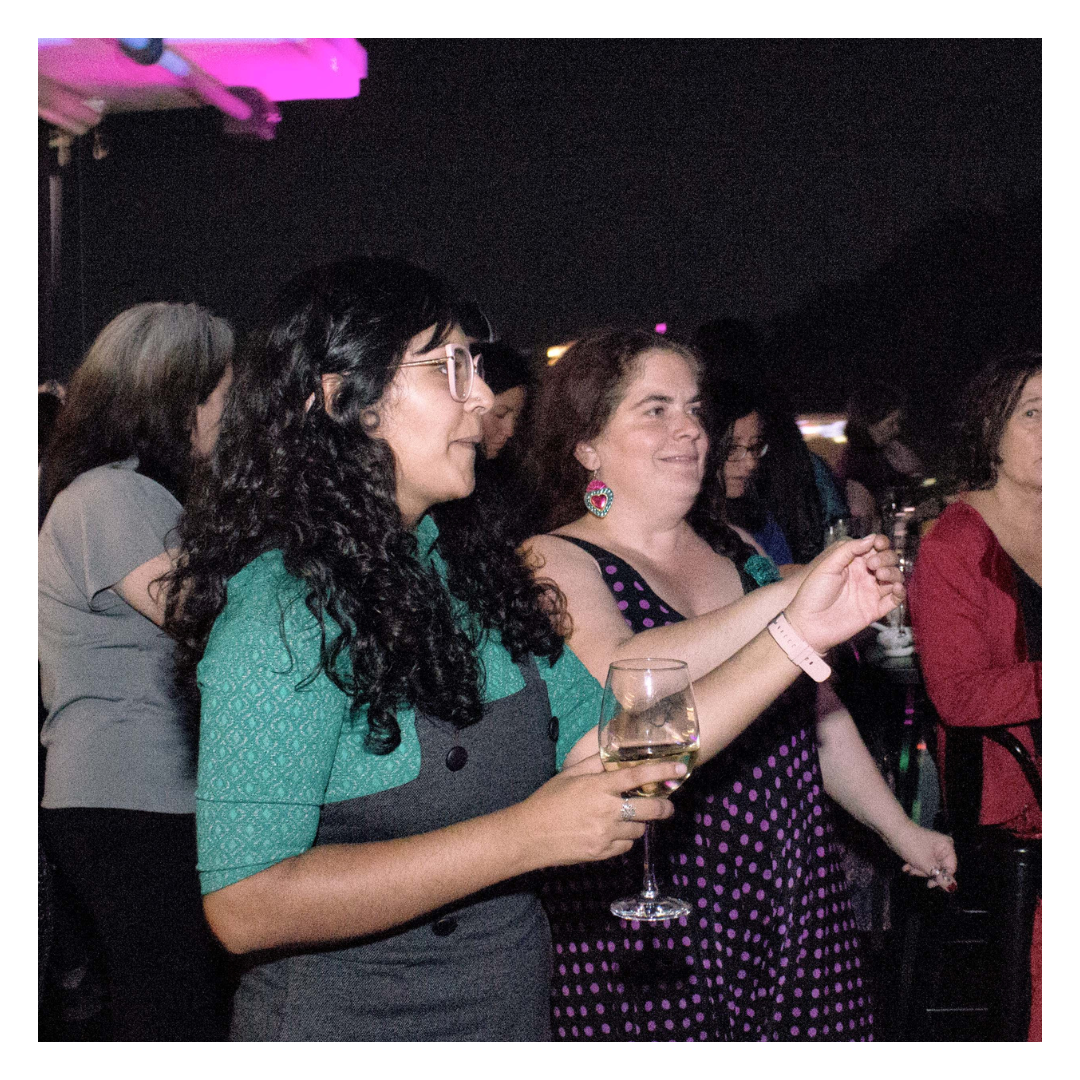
x: 284, y: 69
x: 661, y: 327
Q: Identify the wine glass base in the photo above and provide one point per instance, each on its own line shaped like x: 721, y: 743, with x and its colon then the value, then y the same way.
x: 645, y: 910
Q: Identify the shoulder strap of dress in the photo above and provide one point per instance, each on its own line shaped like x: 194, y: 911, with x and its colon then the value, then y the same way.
x: 594, y: 550
x: 622, y: 570
x: 601, y: 555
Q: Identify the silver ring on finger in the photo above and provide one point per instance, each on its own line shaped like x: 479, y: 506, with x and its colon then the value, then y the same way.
x: 627, y: 811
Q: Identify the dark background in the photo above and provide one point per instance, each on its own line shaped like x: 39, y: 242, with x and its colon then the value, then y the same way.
x: 868, y: 206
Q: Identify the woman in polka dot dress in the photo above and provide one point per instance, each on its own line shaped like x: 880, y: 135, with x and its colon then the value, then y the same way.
x: 769, y: 951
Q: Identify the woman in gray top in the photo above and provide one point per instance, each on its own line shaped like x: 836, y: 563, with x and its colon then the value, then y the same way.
x: 118, y: 818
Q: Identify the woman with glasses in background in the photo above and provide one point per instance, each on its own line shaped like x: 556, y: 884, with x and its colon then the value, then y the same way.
x: 386, y: 699
x: 782, y: 502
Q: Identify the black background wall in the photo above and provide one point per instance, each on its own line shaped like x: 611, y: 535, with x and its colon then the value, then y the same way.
x: 866, y: 205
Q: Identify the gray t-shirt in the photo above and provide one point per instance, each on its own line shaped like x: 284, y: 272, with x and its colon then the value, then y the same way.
x: 115, y: 733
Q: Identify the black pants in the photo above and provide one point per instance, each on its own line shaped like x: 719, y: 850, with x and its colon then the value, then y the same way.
x: 134, y: 874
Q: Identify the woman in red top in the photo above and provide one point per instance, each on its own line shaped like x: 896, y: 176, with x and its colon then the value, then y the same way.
x: 976, y: 600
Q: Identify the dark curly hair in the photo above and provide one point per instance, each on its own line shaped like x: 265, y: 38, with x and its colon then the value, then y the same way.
x: 575, y: 400
x: 135, y: 395
x: 991, y: 398
x: 320, y: 487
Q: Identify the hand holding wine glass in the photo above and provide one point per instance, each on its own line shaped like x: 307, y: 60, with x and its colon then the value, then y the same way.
x: 648, y: 713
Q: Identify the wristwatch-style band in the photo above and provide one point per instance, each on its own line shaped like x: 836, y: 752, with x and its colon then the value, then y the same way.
x: 798, y: 651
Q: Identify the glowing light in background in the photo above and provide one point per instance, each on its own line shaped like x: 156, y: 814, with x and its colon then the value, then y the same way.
x: 822, y: 427
x: 556, y: 351
x: 661, y: 327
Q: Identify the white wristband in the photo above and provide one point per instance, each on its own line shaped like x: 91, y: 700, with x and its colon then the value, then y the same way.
x: 798, y: 651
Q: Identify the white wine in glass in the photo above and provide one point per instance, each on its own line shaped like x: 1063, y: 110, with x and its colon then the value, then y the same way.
x: 648, y: 713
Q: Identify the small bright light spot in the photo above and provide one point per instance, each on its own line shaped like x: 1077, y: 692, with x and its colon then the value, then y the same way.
x: 555, y: 352
x: 929, y: 482
x: 661, y: 327
x: 822, y: 428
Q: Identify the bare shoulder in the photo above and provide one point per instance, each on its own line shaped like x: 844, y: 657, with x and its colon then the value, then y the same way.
x: 554, y: 555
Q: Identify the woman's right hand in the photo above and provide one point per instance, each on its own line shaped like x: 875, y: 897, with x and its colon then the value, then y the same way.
x: 577, y: 816
x: 850, y: 585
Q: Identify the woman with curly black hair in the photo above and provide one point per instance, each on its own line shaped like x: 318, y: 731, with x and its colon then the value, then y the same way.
x: 385, y: 697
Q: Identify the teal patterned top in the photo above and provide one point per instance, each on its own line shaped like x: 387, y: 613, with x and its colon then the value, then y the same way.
x: 271, y: 755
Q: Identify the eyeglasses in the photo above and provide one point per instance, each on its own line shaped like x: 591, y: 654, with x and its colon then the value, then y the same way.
x: 461, y: 366
x: 757, y: 451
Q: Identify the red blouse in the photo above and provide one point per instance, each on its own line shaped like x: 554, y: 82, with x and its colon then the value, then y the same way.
x: 969, y: 631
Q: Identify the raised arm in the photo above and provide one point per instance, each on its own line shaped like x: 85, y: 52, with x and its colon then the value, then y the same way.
x: 852, y: 585
x: 143, y: 589
x: 599, y: 634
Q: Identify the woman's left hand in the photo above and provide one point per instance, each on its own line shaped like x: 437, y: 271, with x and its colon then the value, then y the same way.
x: 927, y: 854
x: 849, y: 586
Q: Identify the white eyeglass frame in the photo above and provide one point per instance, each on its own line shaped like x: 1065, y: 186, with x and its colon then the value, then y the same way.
x: 738, y: 452
x: 476, y: 367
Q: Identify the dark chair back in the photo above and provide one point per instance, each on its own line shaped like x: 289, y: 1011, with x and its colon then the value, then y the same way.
x: 1000, y: 876
x: 963, y: 779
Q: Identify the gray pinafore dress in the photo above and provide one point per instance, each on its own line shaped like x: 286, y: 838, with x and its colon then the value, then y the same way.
x: 478, y: 969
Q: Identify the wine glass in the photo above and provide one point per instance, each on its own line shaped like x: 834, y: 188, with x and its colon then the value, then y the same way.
x: 648, y: 713
x: 898, y: 616
x: 838, y: 529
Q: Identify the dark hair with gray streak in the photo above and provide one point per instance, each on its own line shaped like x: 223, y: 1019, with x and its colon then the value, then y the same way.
x: 135, y: 395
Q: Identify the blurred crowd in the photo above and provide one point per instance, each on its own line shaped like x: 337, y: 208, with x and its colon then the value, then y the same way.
x: 325, y: 621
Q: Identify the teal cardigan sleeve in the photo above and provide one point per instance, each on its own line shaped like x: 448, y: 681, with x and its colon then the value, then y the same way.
x: 574, y: 696
x: 273, y: 751
x: 266, y: 748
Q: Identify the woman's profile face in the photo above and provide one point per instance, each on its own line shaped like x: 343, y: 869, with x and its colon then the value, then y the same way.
x: 500, y: 420
x: 653, y: 445
x: 204, y: 431
x: 1020, y: 449
x: 746, y: 433
x: 434, y: 438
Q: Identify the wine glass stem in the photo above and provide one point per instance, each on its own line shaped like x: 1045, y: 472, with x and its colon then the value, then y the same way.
x: 649, y: 891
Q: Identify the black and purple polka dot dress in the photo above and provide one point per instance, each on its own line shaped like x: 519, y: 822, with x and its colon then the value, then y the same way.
x: 770, y: 951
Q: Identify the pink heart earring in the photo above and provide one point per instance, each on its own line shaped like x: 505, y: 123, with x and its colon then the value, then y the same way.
x: 598, y: 497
